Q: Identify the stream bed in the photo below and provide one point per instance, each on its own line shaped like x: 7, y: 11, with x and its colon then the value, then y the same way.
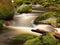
x: 22, y: 21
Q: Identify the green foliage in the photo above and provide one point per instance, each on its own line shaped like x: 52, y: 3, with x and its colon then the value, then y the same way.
x: 46, y: 4
x: 24, y: 9
x: 18, y: 2
x: 20, y: 39
x: 57, y: 1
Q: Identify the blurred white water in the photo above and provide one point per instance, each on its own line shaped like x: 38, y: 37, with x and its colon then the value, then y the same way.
x: 24, y: 20
x: 24, y: 24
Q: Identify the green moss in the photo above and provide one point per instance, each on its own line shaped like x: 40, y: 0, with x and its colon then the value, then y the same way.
x: 46, y: 39
x: 29, y: 39
x: 35, y: 41
x: 49, y: 39
x: 24, y: 9
x: 46, y: 4
x: 47, y: 18
x: 57, y: 1
x: 46, y: 15
x: 18, y: 2
x: 6, y: 10
x: 20, y: 39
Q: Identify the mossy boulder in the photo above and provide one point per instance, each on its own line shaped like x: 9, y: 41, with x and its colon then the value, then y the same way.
x: 18, y: 2
x: 47, y: 18
x: 20, y: 39
x: 46, y: 39
x: 24, y: 9
x: 6, y: 10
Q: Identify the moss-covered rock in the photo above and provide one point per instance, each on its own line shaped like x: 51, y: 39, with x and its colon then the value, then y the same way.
x: 49, y: 39
x: 18, y: 2
x: 47, y: 18
x: 35, y: 41
x: 20, y: 39
x: 6, y: 10
x: 44, y: 16
x: 46, y: 39
x: 24, y: 9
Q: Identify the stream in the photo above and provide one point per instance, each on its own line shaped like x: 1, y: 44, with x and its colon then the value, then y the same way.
x: 22, y: 23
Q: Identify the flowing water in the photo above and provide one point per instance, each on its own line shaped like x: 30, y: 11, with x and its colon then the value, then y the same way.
x: 21, y: 24
x: 24, y: 20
